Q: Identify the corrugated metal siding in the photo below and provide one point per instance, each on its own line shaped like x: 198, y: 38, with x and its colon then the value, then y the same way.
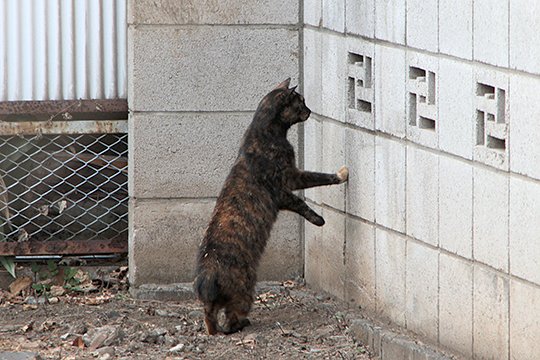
x: 62, y: 49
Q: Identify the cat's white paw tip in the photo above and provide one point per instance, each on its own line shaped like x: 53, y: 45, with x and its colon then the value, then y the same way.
x: 343, y: 174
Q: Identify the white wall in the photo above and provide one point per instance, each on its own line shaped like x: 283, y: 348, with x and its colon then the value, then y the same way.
x: 438, y: 229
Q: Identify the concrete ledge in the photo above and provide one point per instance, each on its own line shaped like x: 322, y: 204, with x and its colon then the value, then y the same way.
x: 183, y: 291
x: 169, y: 292
x: 389, y: 345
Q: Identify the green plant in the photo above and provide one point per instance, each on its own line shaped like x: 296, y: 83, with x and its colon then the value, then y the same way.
x: 9, y: 264
x: 71, y: 282
x: 41, y: 288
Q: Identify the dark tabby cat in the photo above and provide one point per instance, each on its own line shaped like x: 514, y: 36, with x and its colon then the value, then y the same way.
x: 259, y: 185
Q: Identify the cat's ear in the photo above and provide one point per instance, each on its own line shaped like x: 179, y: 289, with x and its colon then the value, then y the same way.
x: 284, y: 85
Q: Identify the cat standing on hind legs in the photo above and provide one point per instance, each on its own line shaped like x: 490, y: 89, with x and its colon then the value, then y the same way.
x: 260, y: 183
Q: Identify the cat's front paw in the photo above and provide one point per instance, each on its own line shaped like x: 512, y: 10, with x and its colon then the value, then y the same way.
x: 343, y: 174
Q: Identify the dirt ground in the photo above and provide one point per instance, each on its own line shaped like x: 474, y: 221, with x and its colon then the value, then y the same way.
x: 289, y: 321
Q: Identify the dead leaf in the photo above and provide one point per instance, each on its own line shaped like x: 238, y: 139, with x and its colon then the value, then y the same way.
x: 78, y: 342
x: 20, y: 284
x: 22, y: 235
x: 57, y: 290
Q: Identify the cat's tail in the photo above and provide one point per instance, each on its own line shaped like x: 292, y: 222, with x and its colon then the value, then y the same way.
x: 206, y: 287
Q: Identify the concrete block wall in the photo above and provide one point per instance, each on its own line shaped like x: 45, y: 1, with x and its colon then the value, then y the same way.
x: 435, y: 107
x: 197, y: 70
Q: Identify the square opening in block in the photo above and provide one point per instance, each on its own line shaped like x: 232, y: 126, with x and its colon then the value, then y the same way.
x: 426, y: 123
x: 351, y: 95
x: 367, y: 75
x: 501, y: 106
x: 356, y: 59
x: 490, y: 117
x: 495, y: 143
x: 432, y: 86
x: 364, y: 106
x: 416, y: 73
x: 412, y: 109
x: 480, y: 127
x: 485, y: 90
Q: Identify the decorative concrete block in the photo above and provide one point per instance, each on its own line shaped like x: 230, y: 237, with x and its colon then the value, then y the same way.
x: 312, y: 70
x: 456, y: 113
x: 313, y: 239
x: 361, y: 185
x: 313, y: 12
x: 524, y: 315
x: 390, y: 90
x: 165, y: 153
x: 390, y: 19
x: 333, y: 15
x: 360, y: 83
x: 525, y: 229
x: 455, y: 304
x: 455, y: 28
x: 360, y: 264
x: 212, y: 12
x: 455, y: 206
x: 491, y: 31
x: 525, y: 112
x: 169, y: 230
x: 491, y: 117
x: 422, y: 98
x: 422, y: 195
x: 390, y: 267
x: 423, y: 25
x: 313, y: 149
x: 334, y: 64
x: 283, y: 257
x: 390, y: 177
x: 360, y: 17
x: 333, y: 157
x: 332, y: 257
x: 490, y: 226
x: 193, y: 76
x: 524, y: 21
x: 422, y: 290
x: 490, y: 319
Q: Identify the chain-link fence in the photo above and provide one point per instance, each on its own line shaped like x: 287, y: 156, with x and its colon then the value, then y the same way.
x: 63, y: 187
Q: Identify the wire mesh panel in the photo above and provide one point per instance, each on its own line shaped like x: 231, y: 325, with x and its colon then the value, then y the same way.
x: 63, y: 187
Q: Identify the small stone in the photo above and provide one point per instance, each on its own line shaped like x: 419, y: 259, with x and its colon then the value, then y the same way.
x: 103, y: 336
x: 25, y: 355
x: 170, y: 340
x: 105, y: 351
x: 178, y: 348
x: 54, y: 300
x: 155, y: 336
x: 196, y: 314
x: 79, y: 328
x: 31, y: 300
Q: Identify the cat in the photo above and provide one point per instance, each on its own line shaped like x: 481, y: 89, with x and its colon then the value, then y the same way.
x: 259, y: 184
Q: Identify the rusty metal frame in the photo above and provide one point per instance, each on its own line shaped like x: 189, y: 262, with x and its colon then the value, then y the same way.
x: 69, y: 247
x: 114, y: 109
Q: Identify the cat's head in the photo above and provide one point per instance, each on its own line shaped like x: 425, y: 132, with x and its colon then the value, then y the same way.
x: 292, y: 104
x: 289, y: 106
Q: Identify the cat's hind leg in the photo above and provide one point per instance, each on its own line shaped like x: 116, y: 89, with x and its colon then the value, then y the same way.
x: 236, y: 314
x: 211, y: 311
